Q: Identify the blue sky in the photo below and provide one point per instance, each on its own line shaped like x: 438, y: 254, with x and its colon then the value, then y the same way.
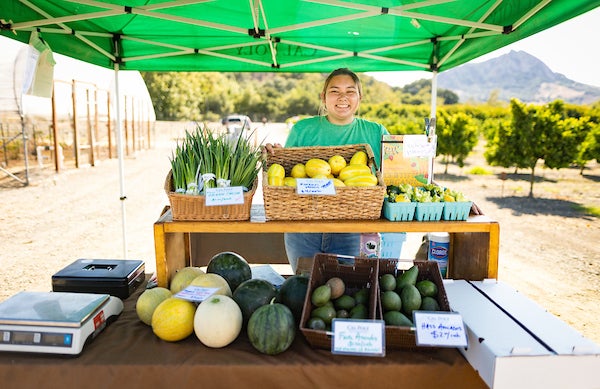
x: 570, y: 48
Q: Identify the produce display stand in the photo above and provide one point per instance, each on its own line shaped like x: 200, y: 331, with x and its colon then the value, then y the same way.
x: 473, y: 249
x: 128, y: 354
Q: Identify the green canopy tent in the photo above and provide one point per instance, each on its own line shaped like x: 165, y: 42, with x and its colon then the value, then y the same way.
x: 281, y: 35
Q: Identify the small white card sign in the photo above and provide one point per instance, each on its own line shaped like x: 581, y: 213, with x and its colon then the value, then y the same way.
x: 417, y: 146
x: 314, y: 186
x: 196, y: 294
x: 224, y: 196
x: 358, y: 337
x: 437, y: 328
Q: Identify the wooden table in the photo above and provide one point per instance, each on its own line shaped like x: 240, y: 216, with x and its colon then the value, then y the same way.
x: 473, y: 253
x: 126, y: 354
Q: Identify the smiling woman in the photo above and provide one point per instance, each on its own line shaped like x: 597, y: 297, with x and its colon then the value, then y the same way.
x: 337, y: 125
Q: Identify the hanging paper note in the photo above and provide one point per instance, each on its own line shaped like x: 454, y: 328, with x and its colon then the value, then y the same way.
x: 417, y: 146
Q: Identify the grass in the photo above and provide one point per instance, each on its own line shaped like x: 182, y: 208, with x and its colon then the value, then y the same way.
x: 592, y: 211
x: 479, y: 171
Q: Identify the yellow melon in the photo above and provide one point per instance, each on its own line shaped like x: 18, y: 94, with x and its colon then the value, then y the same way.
x: 173, y: 319
x: 213, y: 280
x: 182, y: 278
x: 148, y: 301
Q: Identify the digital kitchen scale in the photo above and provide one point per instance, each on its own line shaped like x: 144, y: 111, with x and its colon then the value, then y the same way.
x: 54, y: 322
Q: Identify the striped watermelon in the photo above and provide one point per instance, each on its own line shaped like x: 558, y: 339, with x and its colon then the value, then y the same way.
x: 271, y: 328
x: 231, y: 266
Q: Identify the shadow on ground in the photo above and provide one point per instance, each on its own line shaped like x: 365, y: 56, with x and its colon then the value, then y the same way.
x: 539, y: 206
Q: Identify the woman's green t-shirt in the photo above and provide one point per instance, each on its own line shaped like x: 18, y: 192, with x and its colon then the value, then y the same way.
x: 318, y: 131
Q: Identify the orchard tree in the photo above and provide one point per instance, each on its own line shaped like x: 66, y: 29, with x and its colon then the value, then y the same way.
x: 456, y: 137
x: 590, y: 147
x: 536, y: 134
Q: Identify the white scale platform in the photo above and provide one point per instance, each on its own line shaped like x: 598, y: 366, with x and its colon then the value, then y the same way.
x: 54, y: 322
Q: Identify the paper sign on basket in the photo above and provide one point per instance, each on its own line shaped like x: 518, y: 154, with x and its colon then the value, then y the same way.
x: 444, y: 329
x: 315, y: 186
x: 358, y: 337
x: 196, y: 294
x: 224, y: 196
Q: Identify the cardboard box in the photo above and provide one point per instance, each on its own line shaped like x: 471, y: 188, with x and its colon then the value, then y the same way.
x: 514, y: 342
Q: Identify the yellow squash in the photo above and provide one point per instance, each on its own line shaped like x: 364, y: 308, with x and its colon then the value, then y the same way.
x: 361, y: 180
x: 317, y: 166
x: 353, y: 170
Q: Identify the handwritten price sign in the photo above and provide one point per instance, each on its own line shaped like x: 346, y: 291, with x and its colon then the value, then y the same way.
x: 440, y: 329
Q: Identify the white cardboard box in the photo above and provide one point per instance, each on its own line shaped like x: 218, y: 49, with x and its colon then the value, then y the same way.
x: 514, y: 343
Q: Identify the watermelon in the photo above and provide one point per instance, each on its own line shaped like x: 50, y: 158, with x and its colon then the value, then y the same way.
x: 292, y: 294
x: 231, y: 266
x: 271, y: 328
x: 252, y: 294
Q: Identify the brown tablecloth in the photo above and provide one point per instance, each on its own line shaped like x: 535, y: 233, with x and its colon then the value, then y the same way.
x: 127, y: 354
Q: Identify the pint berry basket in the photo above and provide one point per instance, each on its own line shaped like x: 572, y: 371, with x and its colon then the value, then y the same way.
x: 284, y: 203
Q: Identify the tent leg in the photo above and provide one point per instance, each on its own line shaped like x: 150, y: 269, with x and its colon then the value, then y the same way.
x: 433, y: 120
x: 122, y: 196
x: 433, y: 94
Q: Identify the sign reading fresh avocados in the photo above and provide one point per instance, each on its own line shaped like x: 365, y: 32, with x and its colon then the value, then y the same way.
x: 358, y: 337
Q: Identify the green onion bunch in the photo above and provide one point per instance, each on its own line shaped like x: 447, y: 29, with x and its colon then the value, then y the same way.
x: 208, y: 160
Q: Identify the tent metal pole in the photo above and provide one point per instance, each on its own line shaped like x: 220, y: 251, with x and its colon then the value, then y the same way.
x: 122, y: 196
x: 433, y: 120
x: 433, y: 94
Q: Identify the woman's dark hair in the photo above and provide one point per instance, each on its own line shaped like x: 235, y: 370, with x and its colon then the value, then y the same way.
x: 344, y: 72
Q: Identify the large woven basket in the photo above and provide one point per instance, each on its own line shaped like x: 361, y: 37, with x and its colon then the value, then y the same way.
x: 193, y: 207
x: 283, y: 203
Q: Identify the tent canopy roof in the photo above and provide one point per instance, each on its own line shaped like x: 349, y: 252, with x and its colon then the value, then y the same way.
x: 284, y: 36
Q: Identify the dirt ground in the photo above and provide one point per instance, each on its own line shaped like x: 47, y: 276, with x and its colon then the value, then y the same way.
x: 548, y: 249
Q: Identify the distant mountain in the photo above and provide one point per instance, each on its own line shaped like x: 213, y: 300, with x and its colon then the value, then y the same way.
x: 516, y: 74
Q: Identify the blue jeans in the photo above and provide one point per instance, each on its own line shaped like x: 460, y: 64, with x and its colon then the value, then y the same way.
x: 298, y: 245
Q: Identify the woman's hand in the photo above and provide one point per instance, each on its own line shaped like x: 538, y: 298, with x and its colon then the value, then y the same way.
x: 269, y: 148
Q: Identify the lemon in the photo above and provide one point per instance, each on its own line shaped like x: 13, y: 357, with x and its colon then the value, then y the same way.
x: 289, y: 181
x: 148, y: 301
x: 183, y: 277
x: 298, y: 171
x: 213, y: 280
x: 359, y: 158
x: 337, y: 163
x: 276, y: 170
x: 173, y: 319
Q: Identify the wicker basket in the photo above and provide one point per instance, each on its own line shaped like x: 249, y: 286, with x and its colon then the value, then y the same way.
x: 403, y: 337
x: 193, y: 207
x: 357, y: 274
x: 283, y: 203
